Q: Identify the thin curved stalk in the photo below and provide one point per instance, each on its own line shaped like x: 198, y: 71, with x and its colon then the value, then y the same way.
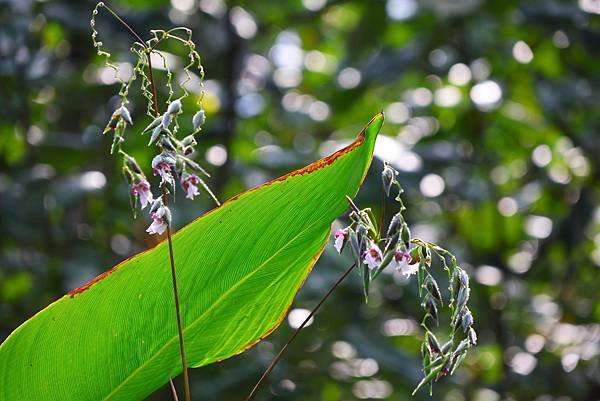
x: 277, y: 357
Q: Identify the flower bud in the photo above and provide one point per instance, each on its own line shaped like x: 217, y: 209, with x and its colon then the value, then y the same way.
x: 174, y: 107
x: 124, y: 113
x: 405, y: 235
x: 467, y: 320
x: 198, y: 120
x: 189, y: 140
x: 133, y: 164
x: 462, y: 297
x: 156, y: 132
x: 433, y: 344
x: 167, y: 119
x: 156, y: 205
x: 462, y: 347
x: 394, y: 225
x: 166, y: 144
x: 361, y: 237
x: 463, y: 278
x: 388, y: 176
x: 472, y: 336
x: 155, y: 123
x: 433, y: 288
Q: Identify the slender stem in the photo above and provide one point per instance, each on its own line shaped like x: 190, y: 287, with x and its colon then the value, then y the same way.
x: 152, y: 84
x: 173, y: 390
x: 283, y: 349
x: 125, y: 24
x: 165, y: 196
x: 186, y: 379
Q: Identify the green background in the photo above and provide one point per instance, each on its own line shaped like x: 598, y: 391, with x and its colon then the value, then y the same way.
x: 516, y: 148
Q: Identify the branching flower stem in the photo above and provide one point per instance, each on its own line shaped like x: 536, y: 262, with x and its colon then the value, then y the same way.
x: 277, y: 357
x: 165, y: 196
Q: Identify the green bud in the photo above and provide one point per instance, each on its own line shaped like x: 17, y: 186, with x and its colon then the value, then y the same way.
x: 155, y: 123
x: 133, y: 164
x: 472, y: 336
x: 394, y: 225
x: 406, y: 235
x: 467, y: 320
x: 198, y: 120
x: 433, y: 344
x: 433, y: 288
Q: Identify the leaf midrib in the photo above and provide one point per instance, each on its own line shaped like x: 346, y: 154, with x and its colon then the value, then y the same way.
x: 204, y: 314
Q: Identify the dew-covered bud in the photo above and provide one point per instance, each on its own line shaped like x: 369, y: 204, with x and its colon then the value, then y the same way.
x: 463, y: 278
x: 155, y: 123
x: 433, y: 344
x: 405, y: 235
x: 394, y: 225
x: 472, y: 335
x: 189, y: 140
x: 388, y: 176
x: 174, y: 107
x: 133, y: 164
x: 462, y: 297
x: 167, y: 119
x: 124, y: 113
x: 467, y: 320
x: 166, y: 144
x: 462, y: 347
x: 198, y: 120
x: 156, y: 132
x: 433, y: 288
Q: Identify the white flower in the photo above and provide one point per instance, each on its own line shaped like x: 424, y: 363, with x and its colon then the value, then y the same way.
x: 340, y: 237
x: 402, y: 262
x: 162, y: 165
x: 372, y: 257
x: 142, y: 189
x: 161, y: 219
x: 189, y: 183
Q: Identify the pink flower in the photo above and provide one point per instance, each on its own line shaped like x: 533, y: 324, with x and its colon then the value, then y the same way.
x: 161, y: 219
x: 162, y: 165
x: 189, y: 183
x: 142, y: 190
x: 372, y: 256
x: 340, y: 237
x: 402, y: 262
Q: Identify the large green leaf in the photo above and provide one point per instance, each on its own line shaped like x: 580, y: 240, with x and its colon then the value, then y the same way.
x: 239, y: 267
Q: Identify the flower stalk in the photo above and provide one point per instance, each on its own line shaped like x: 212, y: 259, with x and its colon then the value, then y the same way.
x: 173, y: 164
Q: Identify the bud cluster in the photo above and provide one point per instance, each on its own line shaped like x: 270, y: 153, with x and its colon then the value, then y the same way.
x: 412, y: 256
x: 172, y: 164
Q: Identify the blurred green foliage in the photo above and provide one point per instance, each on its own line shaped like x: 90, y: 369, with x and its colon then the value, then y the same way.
x: 492, y: 118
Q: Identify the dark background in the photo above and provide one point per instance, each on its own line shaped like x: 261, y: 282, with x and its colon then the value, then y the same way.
x: 492, y: 114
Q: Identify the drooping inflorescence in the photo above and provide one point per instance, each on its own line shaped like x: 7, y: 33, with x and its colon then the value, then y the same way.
x: 173, y: 164
x: 374, y: 252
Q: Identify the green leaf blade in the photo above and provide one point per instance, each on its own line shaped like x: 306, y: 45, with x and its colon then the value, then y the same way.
x: 238, y: 266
